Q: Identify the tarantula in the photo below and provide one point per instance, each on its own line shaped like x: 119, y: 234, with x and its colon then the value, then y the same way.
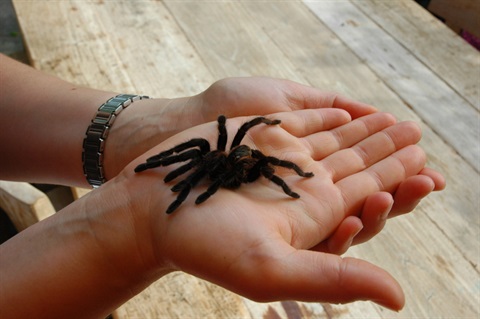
x: 225, y: 169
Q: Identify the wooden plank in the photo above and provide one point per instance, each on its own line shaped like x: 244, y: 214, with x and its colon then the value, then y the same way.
x: 318, y: 55
x: 179, y: 295
x: 416, y: 84
x: 78, y: 192
x: 160, y: 60
x: 230, y: 49
x: 100, y: 44
x: 442, y: 285
x: 24, y: 204
x: 68, y: 48
x: 455, y: 210
x: 440, y: 49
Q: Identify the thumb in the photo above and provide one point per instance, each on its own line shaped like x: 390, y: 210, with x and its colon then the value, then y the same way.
x: 313, y: 276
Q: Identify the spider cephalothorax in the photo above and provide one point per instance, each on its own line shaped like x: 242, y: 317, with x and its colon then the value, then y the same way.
x: 225, y: 169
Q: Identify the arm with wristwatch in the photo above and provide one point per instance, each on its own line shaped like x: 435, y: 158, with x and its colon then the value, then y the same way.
x: 115, y: 241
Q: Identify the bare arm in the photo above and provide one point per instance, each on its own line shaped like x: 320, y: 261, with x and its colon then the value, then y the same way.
x: 43, y: 122
x: 112, y: 243
x: 73, y: 264
x: 44, y: 119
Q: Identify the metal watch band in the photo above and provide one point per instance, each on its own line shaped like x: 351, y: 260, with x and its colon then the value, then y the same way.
x: 97, y: 132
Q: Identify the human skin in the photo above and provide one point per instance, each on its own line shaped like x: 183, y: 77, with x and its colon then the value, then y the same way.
x: 255, y: 241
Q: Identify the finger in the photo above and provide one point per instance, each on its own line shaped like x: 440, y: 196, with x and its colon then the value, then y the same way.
x: 385, y: 175
x: 374, y: 216
x: 297, y: 124
x: 311, y: 276
x: 312, y: 98
x: 355, y: 108
x: 410, y: 192
x: 339, y: 242
x: 328, y: 142
x: 371, y: 150
x: 437, y: 178
x: 305, y: 122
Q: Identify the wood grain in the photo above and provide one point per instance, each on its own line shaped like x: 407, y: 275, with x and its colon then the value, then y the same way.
x: 424, y: 36
x: 24, y: 204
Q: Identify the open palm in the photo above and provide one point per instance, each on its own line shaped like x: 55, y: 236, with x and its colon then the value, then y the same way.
x: 261, y: 243
x: 260, y: 96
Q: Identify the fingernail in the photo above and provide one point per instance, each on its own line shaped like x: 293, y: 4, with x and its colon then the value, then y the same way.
x: 385, y: 214
x: 350, y: 241
x: 357, y: 232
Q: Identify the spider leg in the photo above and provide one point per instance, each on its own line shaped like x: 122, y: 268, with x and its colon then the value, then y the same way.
x: 262, y: 167
x: 180, y: 199
x: 268, y: 173
x: 179, y: 171
x: 152, y: 161
x: 278, y: 162
x: 212, y: 189
x: 248, y: 125
x: 191, y: 180
x: 168, y: 160
x: 184, y: 187
x: 195, y: 142
x: 222, y: 133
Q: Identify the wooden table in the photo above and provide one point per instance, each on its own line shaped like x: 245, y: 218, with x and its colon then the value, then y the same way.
x: 392, y: 54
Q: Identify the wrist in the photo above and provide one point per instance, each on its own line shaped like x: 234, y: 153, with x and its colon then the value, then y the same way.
x: 97, y: 134
x: 94, y: 249
x: 144, y: 125
x: 125, y: 235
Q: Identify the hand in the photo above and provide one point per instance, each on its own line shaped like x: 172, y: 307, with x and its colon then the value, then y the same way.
x: 152, y: 121
x: 257, y: 241
x: 151, y: 125
x: 261, y: 95
x: 379, y: 207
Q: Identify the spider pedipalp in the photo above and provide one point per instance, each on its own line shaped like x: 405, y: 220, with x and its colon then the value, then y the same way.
x: 240, y: 165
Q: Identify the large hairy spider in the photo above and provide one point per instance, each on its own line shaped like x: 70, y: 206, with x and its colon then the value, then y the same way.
x: 225, y: 169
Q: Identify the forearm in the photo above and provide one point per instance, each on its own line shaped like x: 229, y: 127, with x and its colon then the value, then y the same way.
x: 84, y: 255
x: 43, y: 122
